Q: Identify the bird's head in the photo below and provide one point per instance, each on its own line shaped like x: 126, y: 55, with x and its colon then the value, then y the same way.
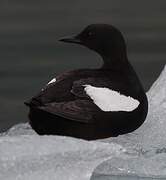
x: 102, y: 38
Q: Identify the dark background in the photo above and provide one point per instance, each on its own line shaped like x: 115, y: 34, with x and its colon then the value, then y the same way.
x: 30, y: 54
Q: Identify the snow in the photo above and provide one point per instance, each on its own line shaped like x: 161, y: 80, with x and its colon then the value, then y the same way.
x: 138, y: 155
x: 110, y: 100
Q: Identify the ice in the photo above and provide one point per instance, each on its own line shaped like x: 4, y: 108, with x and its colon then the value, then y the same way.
x: 28, y: 156
x: 19, y: 129
x: 138, y: 155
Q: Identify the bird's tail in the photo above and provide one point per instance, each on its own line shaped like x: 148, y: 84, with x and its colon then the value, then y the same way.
x: 33, y: 103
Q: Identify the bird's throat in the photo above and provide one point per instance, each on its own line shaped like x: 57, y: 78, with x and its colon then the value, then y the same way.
x: 114, y: 62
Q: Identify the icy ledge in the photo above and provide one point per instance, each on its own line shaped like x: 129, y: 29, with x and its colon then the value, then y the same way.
x: 27, y: 156
x: 139, y: 155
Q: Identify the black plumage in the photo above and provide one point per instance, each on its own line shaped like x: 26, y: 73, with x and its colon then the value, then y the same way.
x: 64, y: 108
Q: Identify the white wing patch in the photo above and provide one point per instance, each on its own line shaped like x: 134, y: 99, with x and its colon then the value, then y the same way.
x: 109, y: 100
x: 52, y: 81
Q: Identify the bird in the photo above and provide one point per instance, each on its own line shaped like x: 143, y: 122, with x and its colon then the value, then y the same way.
x: 92, y: 103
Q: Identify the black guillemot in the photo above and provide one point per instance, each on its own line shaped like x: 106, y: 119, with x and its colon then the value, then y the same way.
x: 92, y: 103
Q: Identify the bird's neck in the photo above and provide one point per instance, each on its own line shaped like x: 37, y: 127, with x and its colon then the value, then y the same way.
x: 115, y: 57
x: 115, y: 62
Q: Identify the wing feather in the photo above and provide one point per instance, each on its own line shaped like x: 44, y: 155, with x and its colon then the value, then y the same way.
x: 78, y: 110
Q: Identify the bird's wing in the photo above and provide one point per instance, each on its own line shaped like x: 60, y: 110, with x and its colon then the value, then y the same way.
x: 81, y: 108
x: 78, y: 88
x: 64, y: 87
x: 78, y: 110
x: 57, y: 90
x: 67, y: 98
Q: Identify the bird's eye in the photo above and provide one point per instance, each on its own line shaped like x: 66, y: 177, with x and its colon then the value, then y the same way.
x: 90, y: 33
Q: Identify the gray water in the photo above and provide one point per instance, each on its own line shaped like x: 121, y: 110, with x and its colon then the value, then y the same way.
x: 31, y: 55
